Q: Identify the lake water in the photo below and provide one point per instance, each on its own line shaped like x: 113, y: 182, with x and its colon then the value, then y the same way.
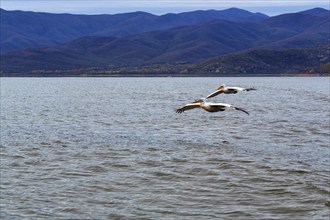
x: 114, y: 148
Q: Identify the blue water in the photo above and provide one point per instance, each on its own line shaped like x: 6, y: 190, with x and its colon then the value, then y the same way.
x: 114, y: 148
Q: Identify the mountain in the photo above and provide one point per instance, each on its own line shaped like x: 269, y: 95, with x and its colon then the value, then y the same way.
x: 309, y: 30
x: 178, y: 46
x: 317, y: 12
x: 184, y: 44
x: 295, y: 21
x: 265, y: 61
x: 21, y: 30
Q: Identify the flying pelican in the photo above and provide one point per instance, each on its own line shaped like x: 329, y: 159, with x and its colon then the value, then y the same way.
x: 208, y: 106
x: 228, y: 90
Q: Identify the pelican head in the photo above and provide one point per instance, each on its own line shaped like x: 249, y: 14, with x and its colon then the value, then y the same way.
x: 222, y: 87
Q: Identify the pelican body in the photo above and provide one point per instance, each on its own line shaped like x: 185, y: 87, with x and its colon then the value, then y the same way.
x: 209, y: 106
x: 228, y: 90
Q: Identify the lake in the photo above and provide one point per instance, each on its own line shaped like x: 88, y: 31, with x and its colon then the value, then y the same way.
x: 114, y: 148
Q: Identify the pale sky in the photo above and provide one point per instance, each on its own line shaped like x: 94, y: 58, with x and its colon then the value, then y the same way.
x: 158, y: 7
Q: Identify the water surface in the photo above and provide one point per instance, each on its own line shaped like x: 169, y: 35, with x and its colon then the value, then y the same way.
x: 114, y: 148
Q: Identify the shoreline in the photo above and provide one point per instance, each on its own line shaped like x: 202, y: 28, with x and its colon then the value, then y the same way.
x: 163, y: 75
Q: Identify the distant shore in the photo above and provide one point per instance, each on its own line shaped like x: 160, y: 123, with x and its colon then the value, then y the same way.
x: 158, y: 75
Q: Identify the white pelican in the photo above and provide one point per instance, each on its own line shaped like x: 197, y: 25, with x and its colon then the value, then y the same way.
x: 228, y: 90
x: 208, y: 106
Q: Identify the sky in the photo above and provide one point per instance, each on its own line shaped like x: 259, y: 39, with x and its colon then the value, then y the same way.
x: 159, y: 7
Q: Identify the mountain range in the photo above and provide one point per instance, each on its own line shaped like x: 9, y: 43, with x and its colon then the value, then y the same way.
x: 65, y: 42
x: 22, y: 29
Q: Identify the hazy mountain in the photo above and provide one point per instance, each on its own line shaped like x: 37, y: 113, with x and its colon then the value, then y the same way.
x: 317, y: 12
x: 309, y: 30
x: 184, y: 44
x: 20, y: 29
x: 265, y: 61
x: 295, y: 21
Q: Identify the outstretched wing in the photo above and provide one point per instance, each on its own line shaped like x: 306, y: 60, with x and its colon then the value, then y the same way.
x: 187, y: 107
x: 241, y: 109
x: 249, y: 89
x: 236, y: 89
x: 216, y: 92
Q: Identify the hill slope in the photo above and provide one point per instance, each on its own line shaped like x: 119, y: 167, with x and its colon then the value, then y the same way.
x: 179, y: 45
x: 187, y: 44
x: 20, y: 30
x: 262, y: 61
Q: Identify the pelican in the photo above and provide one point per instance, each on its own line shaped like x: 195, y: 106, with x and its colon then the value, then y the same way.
x: 228, y: 90
x: 208, y: 106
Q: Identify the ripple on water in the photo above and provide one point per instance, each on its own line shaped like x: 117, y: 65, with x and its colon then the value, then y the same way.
x: 71, y: 149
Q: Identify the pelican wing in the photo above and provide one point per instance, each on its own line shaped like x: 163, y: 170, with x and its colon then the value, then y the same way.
x: 220, y: 105
x: 215, y: 93
x: 242, y: 89
x: 228, y: 106
x: 241, y: 109
x: 233, y: 90
x: 249, y: 89
x: 187, y: 107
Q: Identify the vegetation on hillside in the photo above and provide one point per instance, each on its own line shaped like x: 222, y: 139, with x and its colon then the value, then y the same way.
x: 296, y: 43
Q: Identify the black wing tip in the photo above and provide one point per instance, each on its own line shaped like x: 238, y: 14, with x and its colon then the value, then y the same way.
x: 179, y: 111
x: 243, y: 110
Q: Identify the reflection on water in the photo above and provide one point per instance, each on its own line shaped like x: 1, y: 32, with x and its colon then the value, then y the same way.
x: 107, y: 148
